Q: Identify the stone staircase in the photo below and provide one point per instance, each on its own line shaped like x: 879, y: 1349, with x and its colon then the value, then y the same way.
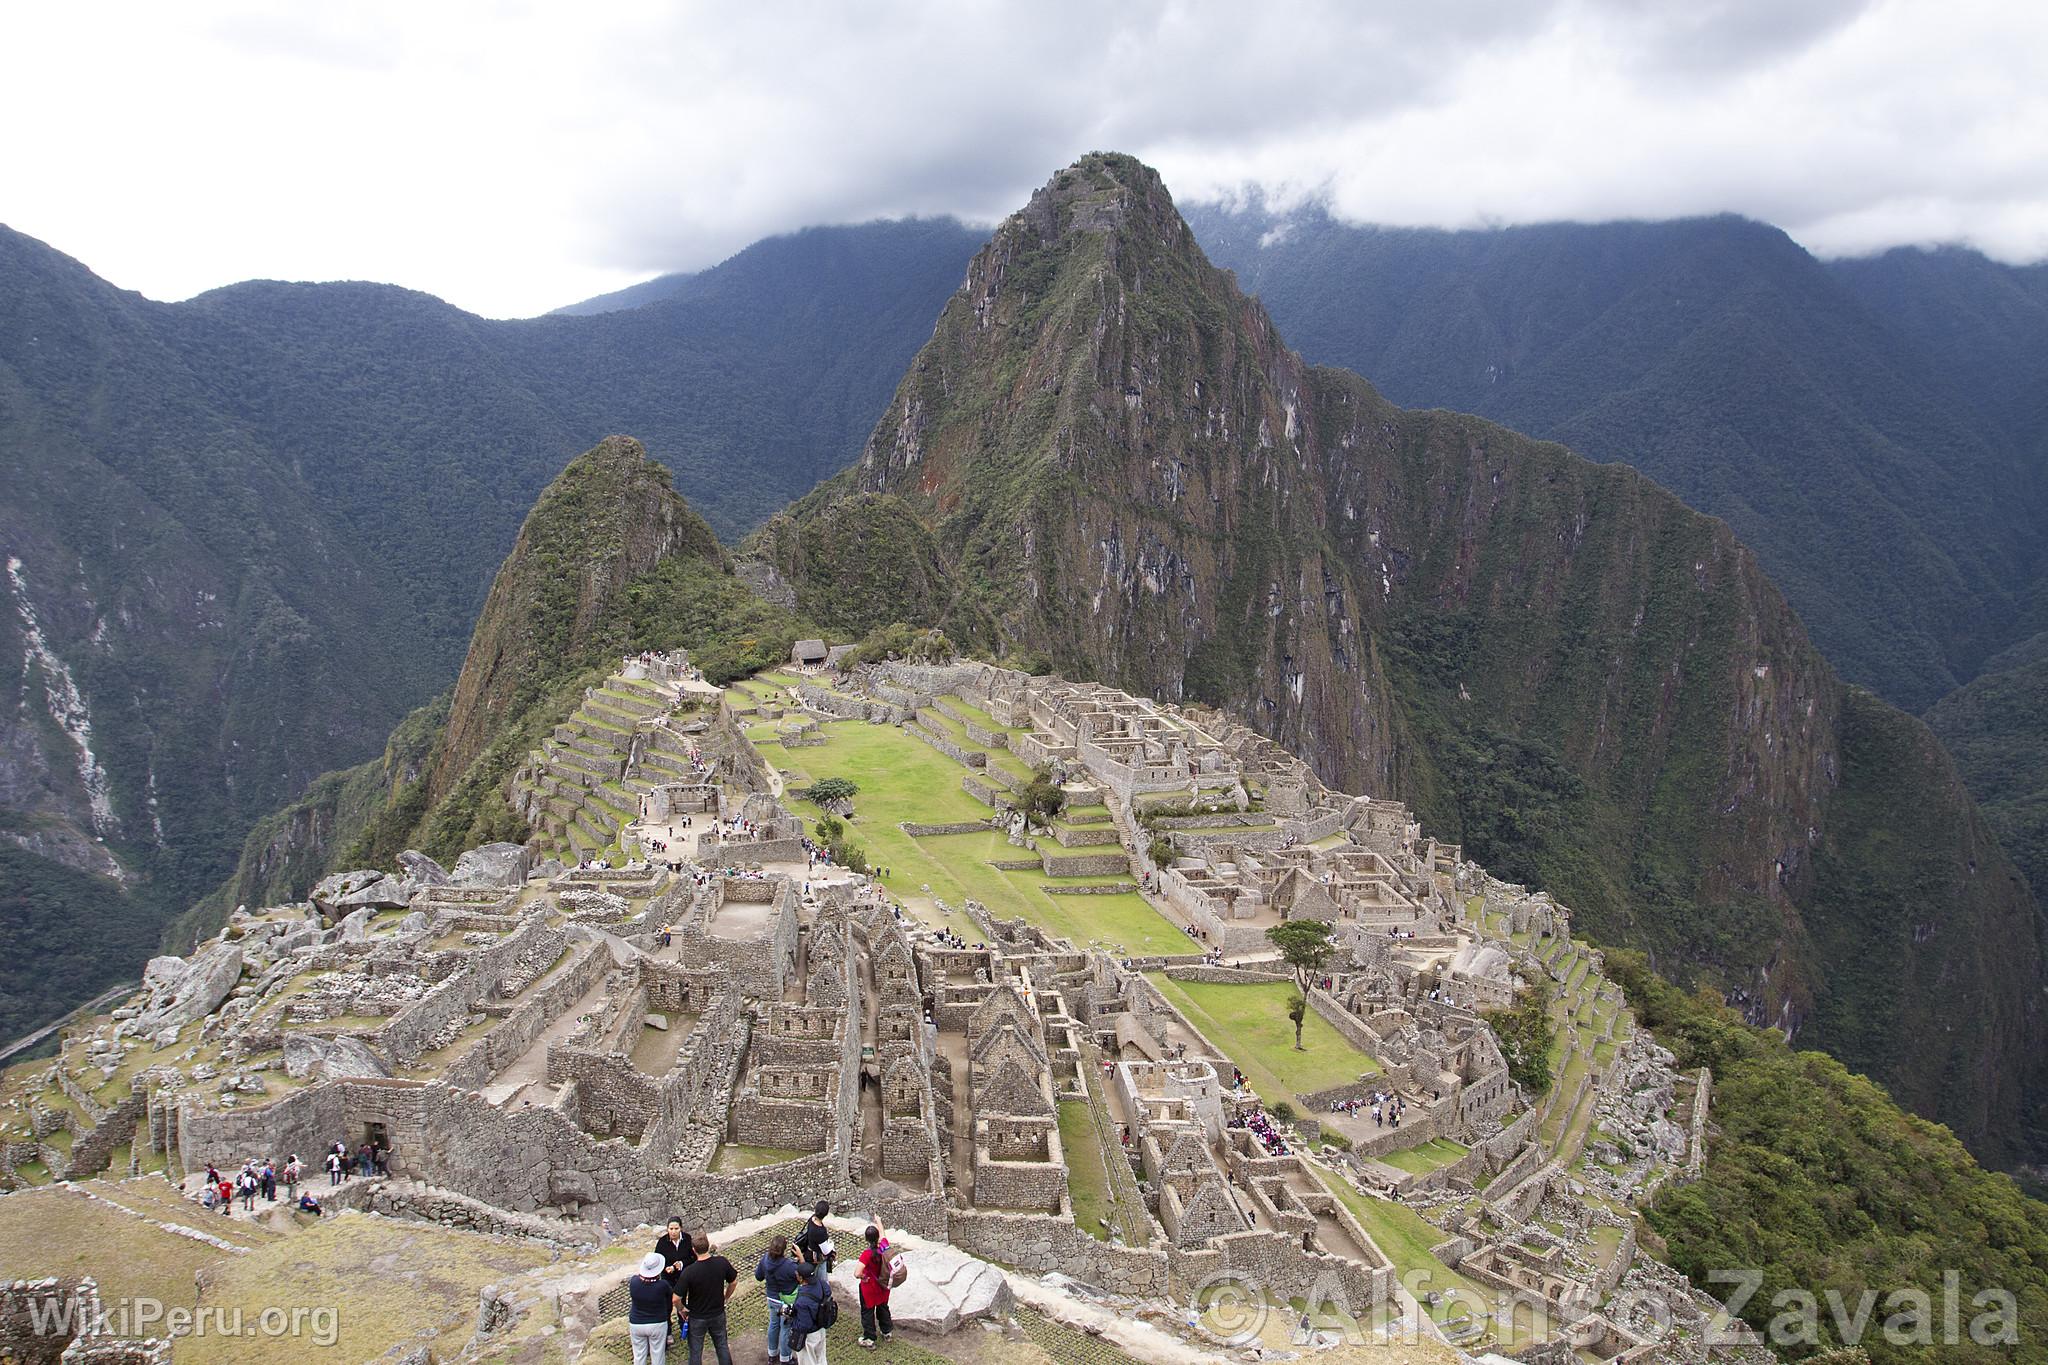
x: 582, y: 787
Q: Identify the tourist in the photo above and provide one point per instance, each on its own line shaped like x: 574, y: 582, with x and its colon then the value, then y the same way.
x: 333, y: 1169
x: 875, y: 1271
x: 676, y: 1253
x: 647, y: 1318
x: 269, y: 1180
x: 292, y: 1172
x: 810, y: 1315
x: 227, y: 1196
x: 814, y: 1243
x: 777, y: 1274
x: 706, y: 1285
x: 309, y: 1203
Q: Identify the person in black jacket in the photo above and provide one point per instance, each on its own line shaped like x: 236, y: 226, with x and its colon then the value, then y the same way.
x: 677, y: 1251
x: 814, y: 1243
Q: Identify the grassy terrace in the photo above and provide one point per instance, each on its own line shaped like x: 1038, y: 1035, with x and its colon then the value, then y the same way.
x: 1406, y: 1238
x: 901, y: 778
x: 1425, y: 1158
x: 1250, y: 1022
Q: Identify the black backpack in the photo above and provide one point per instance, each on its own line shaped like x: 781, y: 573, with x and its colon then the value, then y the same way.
x: 828, y: 1309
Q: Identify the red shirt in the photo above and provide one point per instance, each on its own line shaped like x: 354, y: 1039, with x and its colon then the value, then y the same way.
x: 874, y: 1276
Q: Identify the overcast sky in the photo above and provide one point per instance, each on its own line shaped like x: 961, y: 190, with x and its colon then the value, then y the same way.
x: 513, y: 157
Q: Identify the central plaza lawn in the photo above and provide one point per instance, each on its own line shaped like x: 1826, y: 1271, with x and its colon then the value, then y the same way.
x: 1250, y: 1024
x: 901, y: 778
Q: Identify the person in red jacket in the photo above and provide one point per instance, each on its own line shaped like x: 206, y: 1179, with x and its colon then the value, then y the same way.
x: 874, y: 1287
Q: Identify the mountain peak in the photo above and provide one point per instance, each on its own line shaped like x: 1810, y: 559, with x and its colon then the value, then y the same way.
x: 611, y: 515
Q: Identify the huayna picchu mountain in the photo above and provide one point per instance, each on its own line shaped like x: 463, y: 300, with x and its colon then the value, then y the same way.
x: 1106, y: 459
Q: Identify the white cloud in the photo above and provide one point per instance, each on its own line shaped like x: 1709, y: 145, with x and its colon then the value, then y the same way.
x: 513, y: 156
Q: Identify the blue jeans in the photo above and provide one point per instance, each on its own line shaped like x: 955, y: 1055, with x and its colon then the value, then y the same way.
x: 778, y: 1329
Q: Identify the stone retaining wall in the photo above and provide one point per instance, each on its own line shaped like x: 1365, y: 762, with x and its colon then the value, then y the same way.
x: 967, y: 758
x: 1225, y: 976
x: 1107, y: 889
x: 917, y: 830
x: 1085, y: 864
x: 91, y: 1153
x: 426, y: 1204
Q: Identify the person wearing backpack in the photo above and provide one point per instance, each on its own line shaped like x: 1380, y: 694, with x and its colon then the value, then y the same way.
x: 811, y: 1316
x: 877, y: 1277
x: 777, y: 1274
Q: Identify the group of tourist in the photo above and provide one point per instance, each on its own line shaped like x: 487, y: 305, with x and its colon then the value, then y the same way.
x: 1387, y: 1108
x: 261, y: 1178
x: 1262, y: 1128
x: 683, y: 1286
x: 372, y: 1158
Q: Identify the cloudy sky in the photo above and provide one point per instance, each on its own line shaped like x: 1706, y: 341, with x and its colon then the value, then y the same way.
x: 511, y: 157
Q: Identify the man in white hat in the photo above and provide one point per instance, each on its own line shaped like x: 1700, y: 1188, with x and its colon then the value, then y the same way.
x: 653, y: 1303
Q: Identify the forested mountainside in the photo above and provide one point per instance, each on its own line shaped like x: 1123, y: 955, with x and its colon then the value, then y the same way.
x: 610, y: 561
x: 246, y: 534
x: 1983, y: 329
x: 1875, y: 428
x: 1105, y: 458
x: 1851, y: 447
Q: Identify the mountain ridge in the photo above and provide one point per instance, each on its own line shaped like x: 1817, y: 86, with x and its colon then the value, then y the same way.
x: 1425, y: 604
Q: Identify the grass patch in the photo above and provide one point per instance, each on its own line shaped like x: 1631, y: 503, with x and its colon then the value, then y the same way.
x: 1087, y: 1177
x: 1250, y: 1023
x: 426, y: 1279
x: 1425, y: 1158
x: 734, y: 1156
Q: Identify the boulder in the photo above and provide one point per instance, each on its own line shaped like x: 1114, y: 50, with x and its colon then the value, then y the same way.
x: 309, y: 1054
x: 418, y: 922
x: 946, y: 1287
x: 499, y: 865
x: 330, y: 889
x: 194, y: 991
x: 355, y: 927
x: 421, y: 869
x: 547, y: 869
x: 386, y: 893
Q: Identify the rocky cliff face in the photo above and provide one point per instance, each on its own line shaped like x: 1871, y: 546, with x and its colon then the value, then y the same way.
x: 1121, y: 467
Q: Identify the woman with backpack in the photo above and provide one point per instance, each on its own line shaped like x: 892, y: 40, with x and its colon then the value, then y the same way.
x: 877, y: 1277
x: 811, y: 1315
x: 778, y: 1277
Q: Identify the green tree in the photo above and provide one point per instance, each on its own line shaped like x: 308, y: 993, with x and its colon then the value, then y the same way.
x: 1305, y: 945
x: 1297, y: 1014
x: 1042, y: 797
x: 834, y: 789
x: 1524, y: 1030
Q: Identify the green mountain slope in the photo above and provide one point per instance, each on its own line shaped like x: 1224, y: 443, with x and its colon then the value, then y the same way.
x: 1119, y: 467
x: 611, y: 560
x: 1898, y: 515
x: 252, y: 532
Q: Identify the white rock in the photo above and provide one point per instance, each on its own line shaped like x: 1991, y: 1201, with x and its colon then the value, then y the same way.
x: 332, y: 1058
x: 945, y: 1288
x: 500, y: 865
